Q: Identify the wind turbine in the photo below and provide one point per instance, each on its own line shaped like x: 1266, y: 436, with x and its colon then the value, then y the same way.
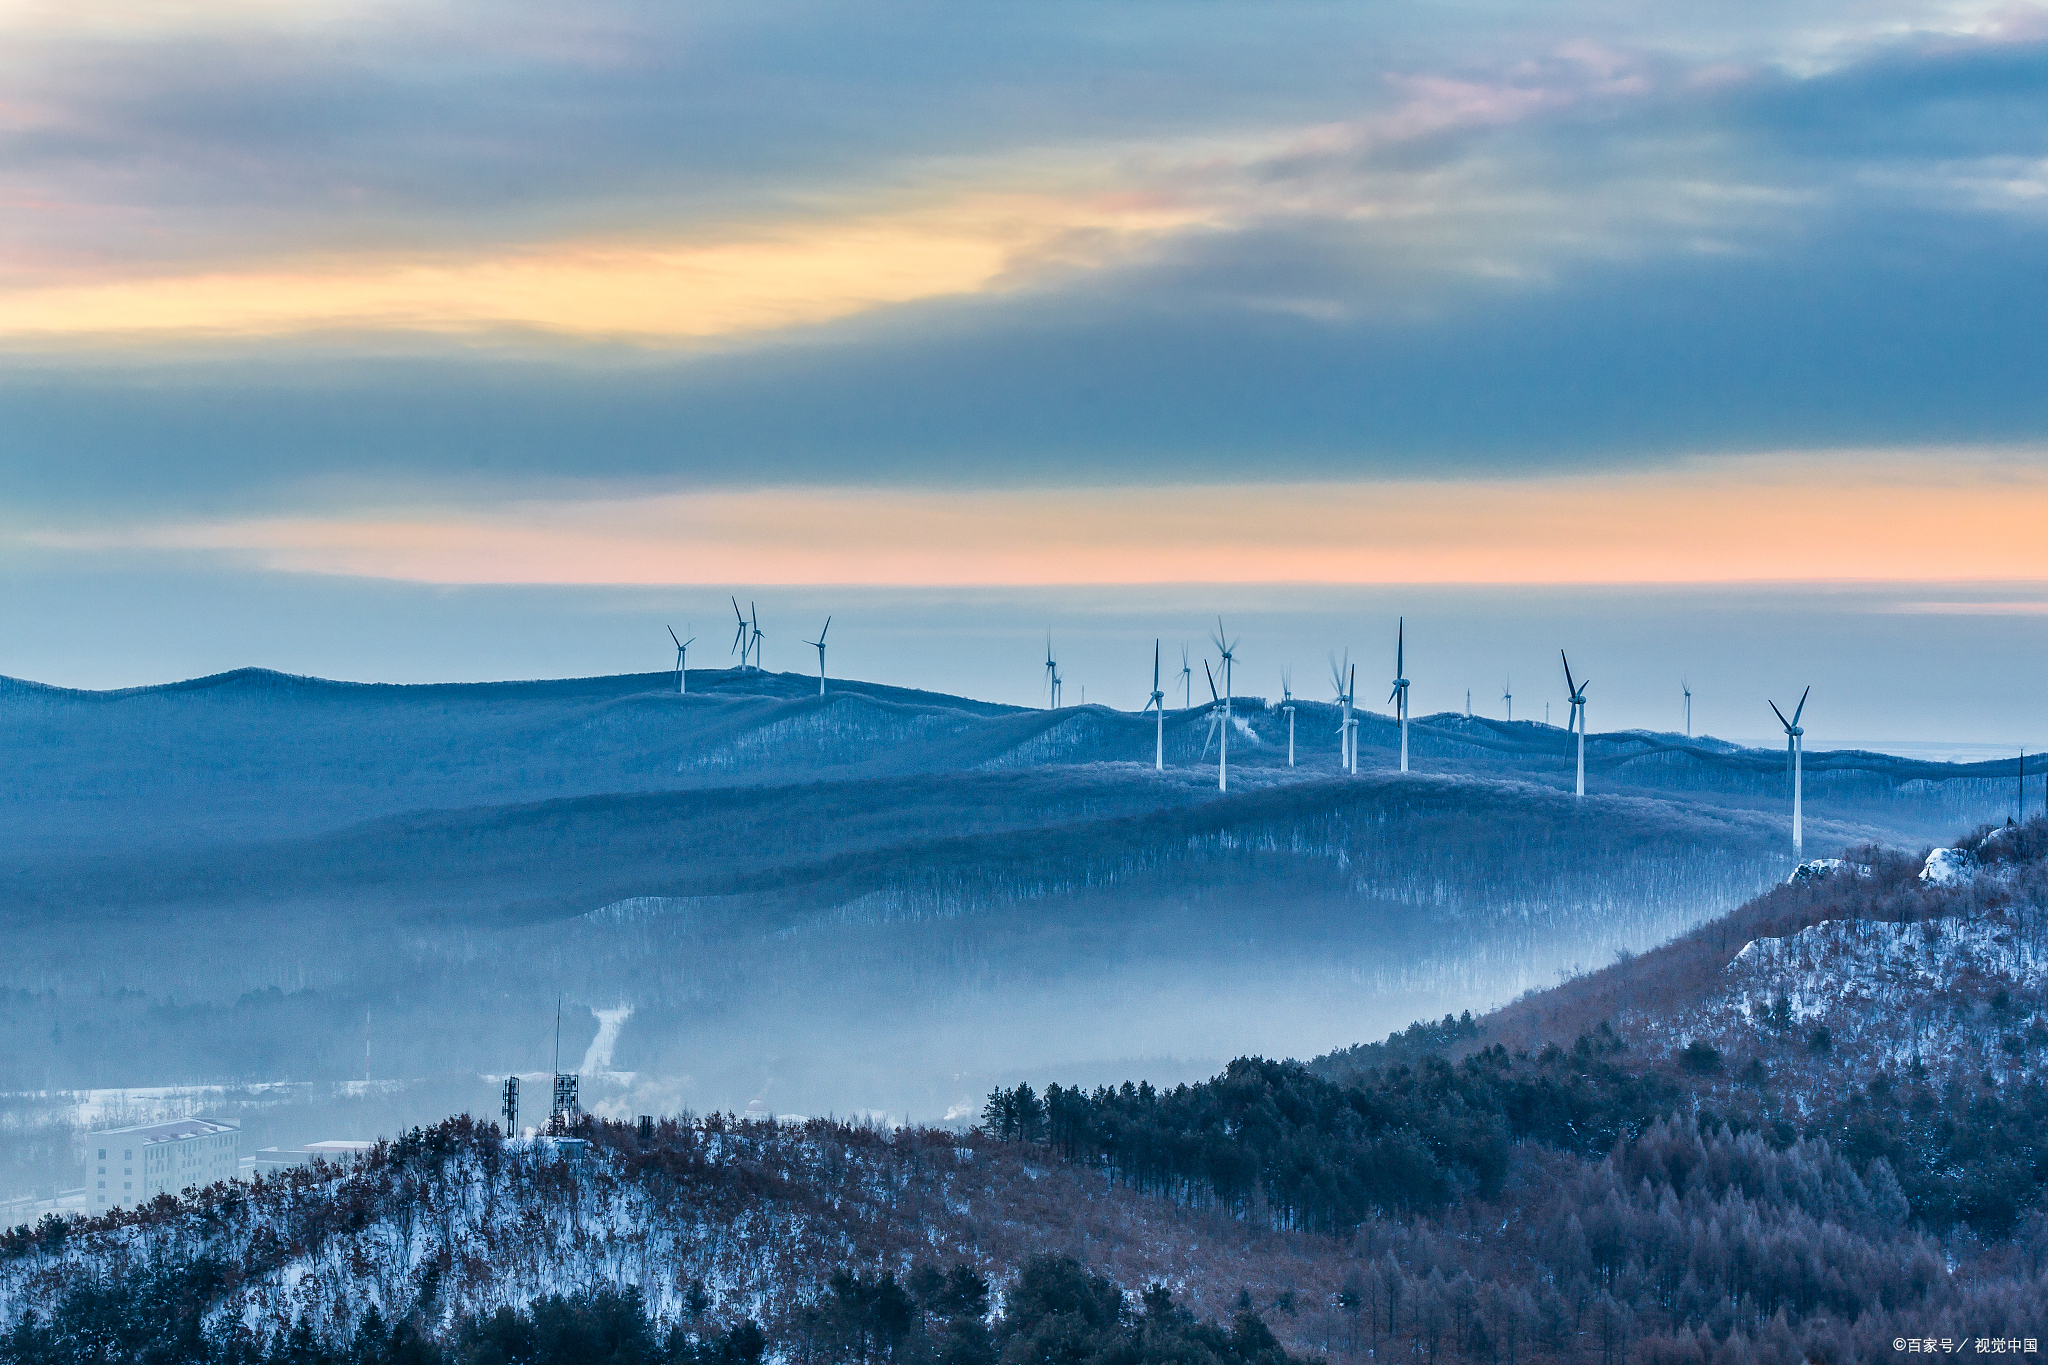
x: 1157, y: 702
x: 819, y: 645
x: 739, y: 639
x: 682, y: 647
x: 1351, y: 707
x: 1794, y: 749
x: 1223, y: 750
x: 1215, y: 713
x: 1400, y: 693
x: 1187, y: 682
x: 1507, y: 694
x: 1578, y: 717
x: 1688, y: 706
x: 758, y: 636
x: 1052, y: 676
x: 1287, y: 705
x: 1347, y: 730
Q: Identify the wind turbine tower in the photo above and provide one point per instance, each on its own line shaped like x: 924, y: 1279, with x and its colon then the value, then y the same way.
x: 1287, y: 705
x: 739, y: 639
x: 1399, y: 695
x: 1347, y: 729
x: 1228, y: 651
x: 1688, y: 706
x: 1215, y: 710
x: 1052, y: 677
x: 1157, y: 702
x: 758, y: 636
x: 1507, y: 694
x: 819, y: 645
x: 1187, y: 682
x: 1578, y: 717
x: 1351, y: 708
x: 682, y: 647
x: 1795, y: 748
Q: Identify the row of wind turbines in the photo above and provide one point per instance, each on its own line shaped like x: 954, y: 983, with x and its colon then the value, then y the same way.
x: 748, y: 637
x: 1344, y: 681
x: 746, y: 643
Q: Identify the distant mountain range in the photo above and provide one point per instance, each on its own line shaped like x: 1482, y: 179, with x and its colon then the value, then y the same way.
x: 253, y: 753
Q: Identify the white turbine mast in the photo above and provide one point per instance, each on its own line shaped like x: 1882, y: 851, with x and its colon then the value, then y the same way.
x: 758, y: 636
x: 1215, y: 710
x: 1399, y: 696
x: 1227, y: 650
x: 1157, y: 702
x: 1507, y: 694
x: 819, y: 645
x: 1795, y: 748
x: 1187, y: 682
x: 1578, y: 717
x: 1052, y: 677
x: 739, y: 639
x: 1287, y: 705
x: 1344, y: 677
x: 682, y: 648
x: 1688, y: 706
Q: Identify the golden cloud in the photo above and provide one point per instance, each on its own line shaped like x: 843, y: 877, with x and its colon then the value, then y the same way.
x: 743, y: 280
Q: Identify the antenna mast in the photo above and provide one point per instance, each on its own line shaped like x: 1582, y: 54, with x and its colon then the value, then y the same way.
x: 565, y: 1099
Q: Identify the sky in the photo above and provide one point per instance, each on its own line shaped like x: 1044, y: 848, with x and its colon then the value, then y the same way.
x: 452, y: 340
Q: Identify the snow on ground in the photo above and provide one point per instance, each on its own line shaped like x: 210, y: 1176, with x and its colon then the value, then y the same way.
x: 760, y: 1213
x: 1949, y: 867
x: 1946, y: 992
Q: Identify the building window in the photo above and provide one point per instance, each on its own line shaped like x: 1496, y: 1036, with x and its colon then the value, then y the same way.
x: 103, y: 1154
x: 127, y: 1185
x: 103, y: 1184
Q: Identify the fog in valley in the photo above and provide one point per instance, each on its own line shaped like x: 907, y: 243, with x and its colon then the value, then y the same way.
x: 330, y: 910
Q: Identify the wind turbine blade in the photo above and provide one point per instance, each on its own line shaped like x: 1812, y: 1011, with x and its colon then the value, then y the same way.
x: 826, y: 631
x: 1212, y: 681
x: 1780, y: 715
x: 1401, y: 647
x: 672, y: 636
x: 1574, y: 687
x: 1800, y: 709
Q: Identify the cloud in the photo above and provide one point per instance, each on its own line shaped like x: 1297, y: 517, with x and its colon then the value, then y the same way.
x: 1536, y: 256
x: 2022, y: 608
x: 1868, y: 516
x: 775, y: 277
x: 1891, y: 330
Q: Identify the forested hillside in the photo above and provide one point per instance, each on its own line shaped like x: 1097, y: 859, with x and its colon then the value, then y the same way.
x: 254, y: 755
x: 1718, y: 1169
x: 692, y: 1242
x: 893, y: 944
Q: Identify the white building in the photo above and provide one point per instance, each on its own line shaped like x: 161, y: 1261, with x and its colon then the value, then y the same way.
x: 270, y: 1160
x: 129, y: 1166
